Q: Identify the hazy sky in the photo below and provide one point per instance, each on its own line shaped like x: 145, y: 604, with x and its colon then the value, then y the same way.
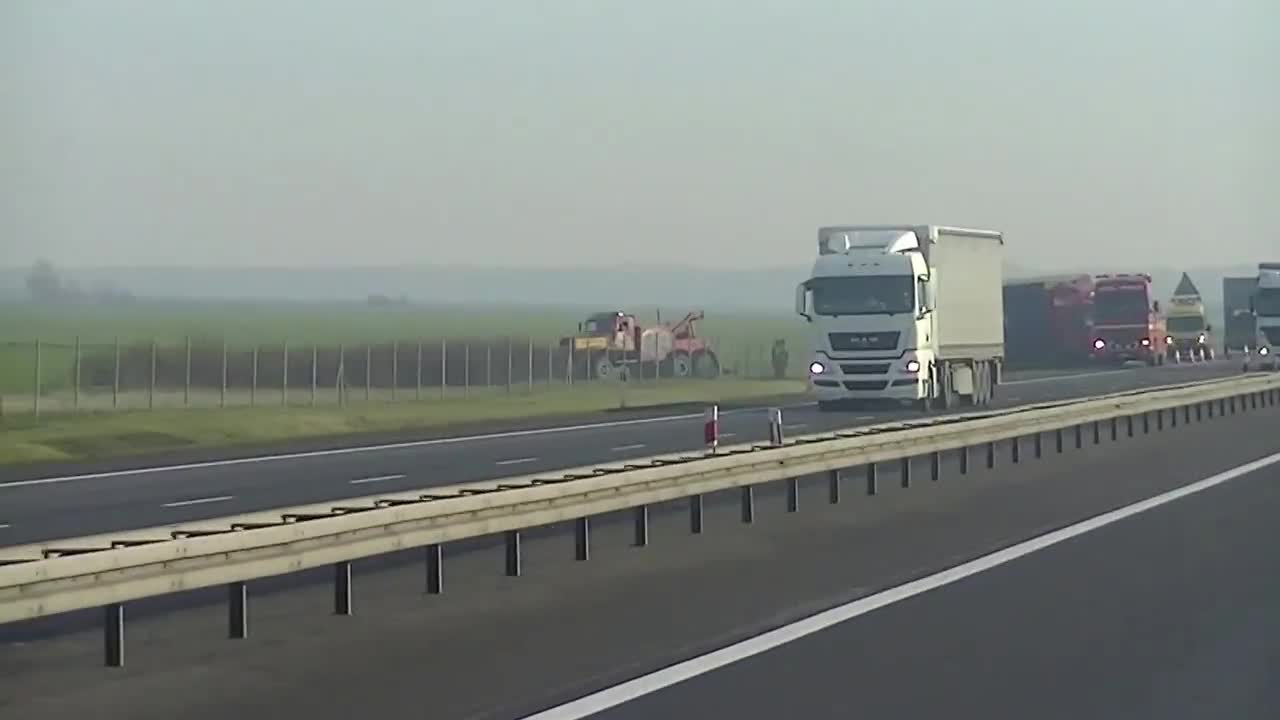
x: 548, y: 132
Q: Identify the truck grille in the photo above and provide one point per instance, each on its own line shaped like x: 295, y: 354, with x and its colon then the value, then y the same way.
x: 863, y: 369
x: 848, y: 342
x: 864, y: 385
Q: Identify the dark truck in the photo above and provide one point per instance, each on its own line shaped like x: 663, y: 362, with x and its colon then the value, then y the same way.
x: 1239, y: 326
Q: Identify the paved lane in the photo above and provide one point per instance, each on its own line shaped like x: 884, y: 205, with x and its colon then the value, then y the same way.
x: 38, y: 507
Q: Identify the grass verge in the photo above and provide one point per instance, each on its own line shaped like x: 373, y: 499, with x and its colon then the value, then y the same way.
x: 93, y: 436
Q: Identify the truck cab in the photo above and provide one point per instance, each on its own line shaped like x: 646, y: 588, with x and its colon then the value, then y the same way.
x: 1128, y: 322
x: 1266, y: 310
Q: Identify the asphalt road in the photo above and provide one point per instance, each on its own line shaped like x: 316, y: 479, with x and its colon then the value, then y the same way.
x: 36, y: 506
x: 1168, y: 614
x: 1158, y: 615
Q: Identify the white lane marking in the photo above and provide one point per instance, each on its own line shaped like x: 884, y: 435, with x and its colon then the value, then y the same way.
x: 646, y: 684
x: 198, y: 501
x: 517, y: 461
x: 795, y: 426
x: 1061, y: 378
x: 624, y: 448
x: 375, y: 448
x: 379, y: 478
x: 4, y: 526
x: 728, y: 435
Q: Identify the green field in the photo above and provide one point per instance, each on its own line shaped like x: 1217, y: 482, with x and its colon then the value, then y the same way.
x: 739, y: 339
x: 87, y: 435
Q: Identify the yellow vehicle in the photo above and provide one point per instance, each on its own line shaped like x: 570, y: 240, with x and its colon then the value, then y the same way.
x: 1189, y: 333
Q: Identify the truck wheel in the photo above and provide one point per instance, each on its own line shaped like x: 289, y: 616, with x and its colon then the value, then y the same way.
x: 706, y: 365
x: 681, y: 365
x: 603, y: 368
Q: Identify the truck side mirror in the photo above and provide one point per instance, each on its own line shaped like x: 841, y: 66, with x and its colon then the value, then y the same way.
x: 802, y: 302
x: 1155, y: 306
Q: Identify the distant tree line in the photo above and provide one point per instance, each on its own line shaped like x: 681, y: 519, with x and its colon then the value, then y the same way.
x: 47, y: 286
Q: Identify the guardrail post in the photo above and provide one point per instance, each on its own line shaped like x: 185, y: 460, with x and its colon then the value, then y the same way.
x: 964, y: 460
x: 1146, y: 423
x: 1038, y: 445
x: 935, y: 466
x: 113, y: 634
x: 582, y: 539
x: 1079, y: 436
x: 1186, y: 413
x: 342, y: 588
x: 793, y: 495
x: 695, y: 514
x: 904, y: 469
x: 748, y: 504
x: 513, y: 553
x: 991, y: 455
x: 1160, y: 420
x: 833, y: 487
x: 1057, y: 439
x: 1200, y: 411
x: 238, y: 610
x: 1015, y: 449
x: 641, y: 525
x: 435, y: 569
x: 1115, y: 429
x: 1097, y: 432
x: 873, y: 485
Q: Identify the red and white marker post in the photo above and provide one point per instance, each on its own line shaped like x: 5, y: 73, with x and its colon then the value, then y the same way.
x: 711, y: 428
x: 775, y: 426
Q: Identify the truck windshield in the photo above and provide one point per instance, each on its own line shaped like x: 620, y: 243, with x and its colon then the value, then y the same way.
x: 863, y: 295
x: 1267, y: 303
x: 1185, y: 324
x: 1120, y: 307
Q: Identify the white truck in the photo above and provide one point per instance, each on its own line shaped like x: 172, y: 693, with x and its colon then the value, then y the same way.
x: 907, y: 313
x: 1266, y: 310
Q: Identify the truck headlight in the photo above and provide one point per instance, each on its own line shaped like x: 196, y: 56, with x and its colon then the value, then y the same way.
x: 817, y: 368
x: 1202, y: 338
x: 1145, y: 342
x: 1264, y: 351
x: 1168, y: 340
x: 913, y: 366
x: 1099, y: 344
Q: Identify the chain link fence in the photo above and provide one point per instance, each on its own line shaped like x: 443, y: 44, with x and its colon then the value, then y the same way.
x: 41, y: 377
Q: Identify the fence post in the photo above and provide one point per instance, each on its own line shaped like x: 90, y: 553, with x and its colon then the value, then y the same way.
x: 368, y: 371
x: 395, y: 367
x: 488, y: 363
x: 186, y: 374
x: 568, y: 365
x: 551, y: 362
x: 444, y: 366
x: 338, y: 381
x: 509, y: 365
x: 35, y: 401
x: 115, y: 379
x: 222, y: 397
x: 466, y: 369
x: 284, y: 372
x: 315, y: 361
x: 253, y: 377
x: 417, y: 376
x: 151, y: 387
x: 530, y: 378
x: 75, y: 390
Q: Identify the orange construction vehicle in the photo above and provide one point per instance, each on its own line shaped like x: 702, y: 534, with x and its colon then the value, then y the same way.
x: 615, y: 343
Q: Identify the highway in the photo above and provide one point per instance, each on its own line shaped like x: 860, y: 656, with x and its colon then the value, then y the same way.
x: 37, y: 504
x: 1162, y: 613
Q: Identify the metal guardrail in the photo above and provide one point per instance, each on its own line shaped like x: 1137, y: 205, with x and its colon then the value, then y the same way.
x: 110, y: 570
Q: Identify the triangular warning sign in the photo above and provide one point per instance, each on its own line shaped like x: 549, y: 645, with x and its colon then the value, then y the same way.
x: 1186, y: 287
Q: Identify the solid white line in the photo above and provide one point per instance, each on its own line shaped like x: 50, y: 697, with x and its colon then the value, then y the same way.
x: 795, y: 426
x: 728, y: 435
x: 379, y: 478
x: 4, y: 525
x: 198, y: 501
x: 646, y: 684
x: 624, y: 448
x: 1060, y: 378
x: 517, y: 461
x: 372, y: 448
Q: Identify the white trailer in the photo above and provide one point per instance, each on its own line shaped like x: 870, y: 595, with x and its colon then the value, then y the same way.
x: 910, y: 313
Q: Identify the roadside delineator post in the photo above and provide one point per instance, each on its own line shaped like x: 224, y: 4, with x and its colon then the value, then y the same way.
x: 711, y: 428
x: 775, y: 426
